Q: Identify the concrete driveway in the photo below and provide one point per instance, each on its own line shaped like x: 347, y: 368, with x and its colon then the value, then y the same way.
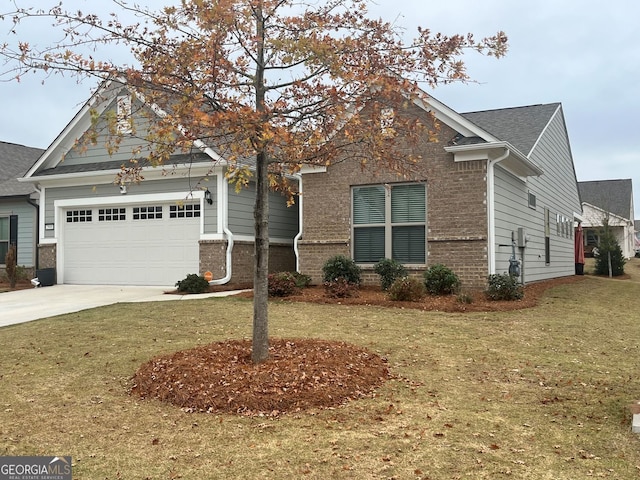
x: 32, y: 304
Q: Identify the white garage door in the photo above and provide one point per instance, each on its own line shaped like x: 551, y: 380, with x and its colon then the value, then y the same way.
x: 132, y: 245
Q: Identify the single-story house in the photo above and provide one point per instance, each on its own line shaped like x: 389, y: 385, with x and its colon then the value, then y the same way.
x: 181, y: 219
x: 611, y: 201
x: 497, y: 185
x: 18, y: 205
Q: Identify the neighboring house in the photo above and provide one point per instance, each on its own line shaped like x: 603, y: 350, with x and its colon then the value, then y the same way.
x: 496, y: 181
x: 610, y: 200
x: 180, y: 220
x: 18, y: 208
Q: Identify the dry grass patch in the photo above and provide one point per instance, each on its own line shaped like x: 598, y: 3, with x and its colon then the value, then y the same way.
x: 538, y: 393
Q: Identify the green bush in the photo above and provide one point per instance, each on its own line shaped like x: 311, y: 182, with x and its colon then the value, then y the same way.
x: 617, y: 260
x: 341, y: 288
x: 302, y: 280
x: 341, y: 267
x: 193, y: 283
x: 440, y: 280
x: 389, y: 271
x: 406, y: 289
x: 282, y: 284
x: 504, y: 287
x: 465, y: 298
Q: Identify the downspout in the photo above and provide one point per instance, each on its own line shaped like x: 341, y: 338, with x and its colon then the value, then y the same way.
x: 491, y: 214
x: 37, y: 250
x: 297, y: 238
x: 223, y: 201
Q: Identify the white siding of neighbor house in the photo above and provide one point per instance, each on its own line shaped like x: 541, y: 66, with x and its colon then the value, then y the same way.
x: 555, y: 189
x: 146, y: 187
x: 622, y: 228
x: 283, y: 220
x: 26, y: 230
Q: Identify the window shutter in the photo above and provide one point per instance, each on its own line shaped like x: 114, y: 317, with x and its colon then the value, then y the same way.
x: 408, y: 204
x: 368, y: 205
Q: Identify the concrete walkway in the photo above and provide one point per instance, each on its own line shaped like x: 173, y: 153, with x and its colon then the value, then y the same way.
x: 32, y: 304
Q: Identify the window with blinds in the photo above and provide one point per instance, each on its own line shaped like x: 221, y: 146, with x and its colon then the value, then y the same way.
x: 389, y: 222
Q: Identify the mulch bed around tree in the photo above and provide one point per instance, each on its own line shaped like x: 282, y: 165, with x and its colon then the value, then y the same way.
x: 301, y: 374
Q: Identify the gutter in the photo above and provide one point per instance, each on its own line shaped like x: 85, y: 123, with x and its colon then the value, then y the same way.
x: 223, y: 188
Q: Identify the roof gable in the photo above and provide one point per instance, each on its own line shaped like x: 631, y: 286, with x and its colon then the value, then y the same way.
x: 51, y: 162
x: 613, y: 196
x: 522, y: 127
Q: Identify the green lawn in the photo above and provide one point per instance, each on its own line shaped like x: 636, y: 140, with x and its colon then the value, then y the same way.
x: 540, y: 393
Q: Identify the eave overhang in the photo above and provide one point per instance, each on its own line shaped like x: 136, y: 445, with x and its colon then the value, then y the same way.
x: 514, y: 162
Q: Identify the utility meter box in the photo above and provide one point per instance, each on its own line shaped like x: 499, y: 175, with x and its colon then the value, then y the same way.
x: 521, y: 240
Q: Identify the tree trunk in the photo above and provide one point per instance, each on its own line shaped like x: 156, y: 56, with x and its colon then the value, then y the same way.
x: 260, y: 347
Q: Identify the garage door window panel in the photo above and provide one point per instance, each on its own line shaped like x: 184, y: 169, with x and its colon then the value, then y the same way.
x: 79, y: 216
x: 147, y: 213
x: 184, y: 211
x: 111, y: 214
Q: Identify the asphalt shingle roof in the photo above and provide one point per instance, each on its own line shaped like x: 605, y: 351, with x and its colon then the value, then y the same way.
x: 520, y: 126
x: 610, y: 195
x: 15, y: 161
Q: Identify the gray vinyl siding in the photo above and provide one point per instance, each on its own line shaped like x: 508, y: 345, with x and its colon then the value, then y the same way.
x: 145, y: 187
x: 26, y: 230
x: 556, y: 190
x: 283, y: 220
x: 89, y: 152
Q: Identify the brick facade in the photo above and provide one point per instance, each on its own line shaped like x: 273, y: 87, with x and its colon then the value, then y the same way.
x: 47, y: 256
x: 456, y: 212
x: 213, y: 258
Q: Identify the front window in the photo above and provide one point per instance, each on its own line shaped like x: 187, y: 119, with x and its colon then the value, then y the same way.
x: 4, y: 238
x: 389, y: 222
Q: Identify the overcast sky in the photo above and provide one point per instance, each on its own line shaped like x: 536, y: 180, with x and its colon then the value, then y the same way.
x: 581, y: 53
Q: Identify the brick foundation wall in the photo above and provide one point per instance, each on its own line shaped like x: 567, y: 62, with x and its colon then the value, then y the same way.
x: 47, y: 256
x: 456, y: 212
x: 213, y: 258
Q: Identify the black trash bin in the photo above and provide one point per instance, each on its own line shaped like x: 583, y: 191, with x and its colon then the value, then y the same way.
x: 46, y: 276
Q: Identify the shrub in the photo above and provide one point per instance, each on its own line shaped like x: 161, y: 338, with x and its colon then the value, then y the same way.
x: 440, y: 280
x: 465, y: 298
x: 340, y: 288
x: 406, y: 289
x: 282, y: 284
x: 504, y: 287
x: 193, y: 283
x: 389, y: 271
x: 617, y: 260
x: 341, y: 267
x: 302, y: 280
x: 11, y: 266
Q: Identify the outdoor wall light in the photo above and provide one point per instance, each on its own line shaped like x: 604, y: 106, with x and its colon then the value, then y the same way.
x: 207, y: 196
x: 123, y: 189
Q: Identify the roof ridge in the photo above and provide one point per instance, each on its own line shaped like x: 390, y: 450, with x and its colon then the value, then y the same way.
x: 512, y: 108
